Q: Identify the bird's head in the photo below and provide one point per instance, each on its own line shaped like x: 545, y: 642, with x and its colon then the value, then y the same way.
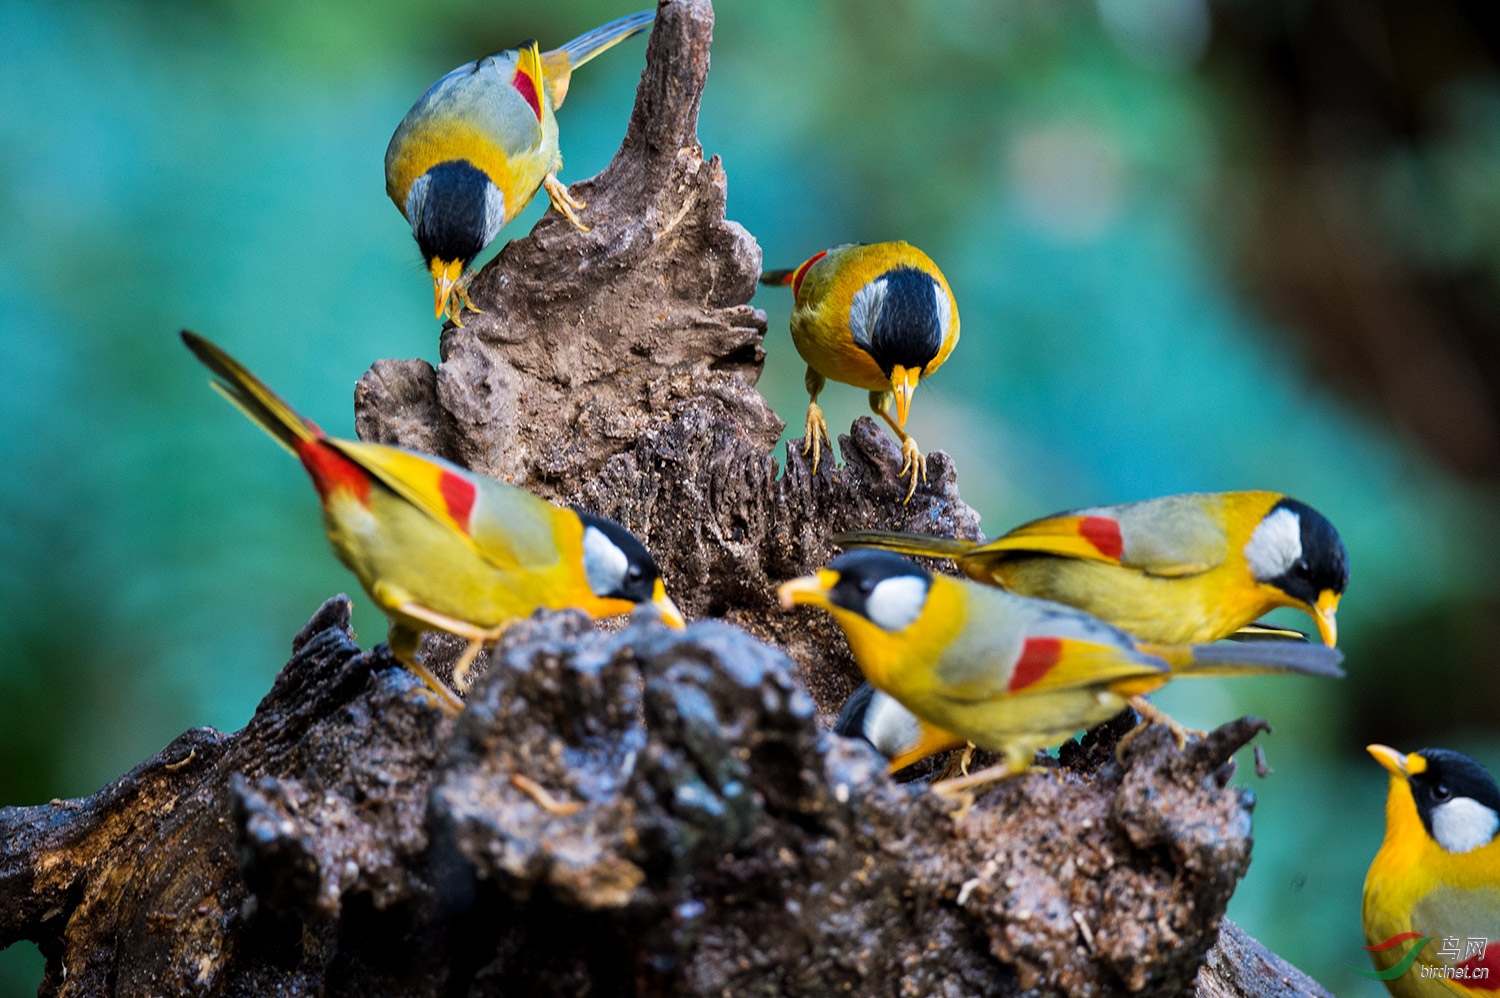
x: 619, y: 567
x: 902, y: 319
x: 1457, y: 801
x: 1296, y: 550
x: 455, y: 212
x: 884, y: 588
x: 880, y: 720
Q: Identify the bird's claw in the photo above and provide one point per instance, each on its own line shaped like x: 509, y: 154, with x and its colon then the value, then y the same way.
x: 1152, y: 714
x: 459, y: 301
x: 566, y: 204
x: 913, y: 462
x: 815, y: 431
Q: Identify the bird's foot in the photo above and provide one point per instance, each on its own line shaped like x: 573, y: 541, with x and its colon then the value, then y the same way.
x: 982, y: 778
x: 1152, y: 714
x: 815, y: 432
x: 478, y: 641
x: 459, y: 301
x: 913, y: 462
x: 544, y: 799
x: 566, y: 204
x: 446, y: 699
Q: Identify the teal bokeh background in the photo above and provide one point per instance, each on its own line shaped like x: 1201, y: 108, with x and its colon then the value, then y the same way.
x: 1068, y: 165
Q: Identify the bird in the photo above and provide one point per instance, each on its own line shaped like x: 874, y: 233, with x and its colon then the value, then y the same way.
x: 476, y: 147
x: 1180, y: 569
x: 1009, y: 673
x: 441, y: 548
x: 1436, y: 878
x: 878, y: 316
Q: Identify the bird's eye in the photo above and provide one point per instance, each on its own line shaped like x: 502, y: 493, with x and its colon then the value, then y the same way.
x: 634, y: 573
x: 1300, y: 569
x: 866, y: 586
x: 1440, y: 792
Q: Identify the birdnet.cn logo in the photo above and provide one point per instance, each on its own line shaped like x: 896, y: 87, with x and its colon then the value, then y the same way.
x: 1463, y: 958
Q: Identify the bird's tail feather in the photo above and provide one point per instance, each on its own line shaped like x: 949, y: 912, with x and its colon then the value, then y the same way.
x: 919, y: 545
x: 778, y: 277
x: 251, y: 395
x: 1237, y: 658
x: 559, y: 63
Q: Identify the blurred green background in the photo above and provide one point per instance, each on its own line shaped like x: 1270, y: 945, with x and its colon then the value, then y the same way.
x: 1196, y: 246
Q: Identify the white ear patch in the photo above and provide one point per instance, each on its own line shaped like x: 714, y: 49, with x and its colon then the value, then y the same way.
x: 896, y: 602
x: 494, y: 211
x: 1462, y: 824
x: 890, y: 727
x: 1275, y: 545
x: 416, y: 201
x: 865, y: 310
x: 603, y: 562
x: 944, y: 309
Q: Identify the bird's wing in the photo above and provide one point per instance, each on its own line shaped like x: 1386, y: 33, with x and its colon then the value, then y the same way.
x: 508, y: 527
x: 1465, y: 921
x: 1017, y: 646
x: 1172, y: 536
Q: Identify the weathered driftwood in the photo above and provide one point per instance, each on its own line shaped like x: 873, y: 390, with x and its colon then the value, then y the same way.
x: 637, y: 812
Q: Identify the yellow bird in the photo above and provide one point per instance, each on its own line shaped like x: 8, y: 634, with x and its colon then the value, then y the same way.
x: 1183, y: 569
x: 475, y: 148
x: 1432, y: 896
x: 1009, y: 673
x: 440, y: 548
x: 877, y: 316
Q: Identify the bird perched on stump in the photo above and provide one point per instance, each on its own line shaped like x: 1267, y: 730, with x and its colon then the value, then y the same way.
x: 440, y: 548
x: 1183, y: 569
x: 1432, y: 896
x: 878, y: 316
x: 1006, y: 672
x: 475, y: 148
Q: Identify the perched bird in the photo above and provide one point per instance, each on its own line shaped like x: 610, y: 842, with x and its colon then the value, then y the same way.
x: 1009, y: 673
x: 1436, y: 878
x: 440, y: 548
x: 1184, y: 569
x: 878, y: 316
x: 473, y: 150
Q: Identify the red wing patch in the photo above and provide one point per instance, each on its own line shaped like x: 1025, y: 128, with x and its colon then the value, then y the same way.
x: 1487, y: 963
x: 332, y: 471
x: 459, y: 494
x: 526, y: 86
x: 1104, y: 534
x: 1038, y: 656
x: 801, y: 272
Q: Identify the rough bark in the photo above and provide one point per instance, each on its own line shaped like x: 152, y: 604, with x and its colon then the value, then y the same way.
x: 354, y: 840
x: 632, y: 812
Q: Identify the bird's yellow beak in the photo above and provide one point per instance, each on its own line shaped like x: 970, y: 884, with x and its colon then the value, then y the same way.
x: 445, y: 274
x: 1324, y: 612
x: 903, y: 384
x: 670, y: 615
x: 811, y: 589
x: 1395, y: 763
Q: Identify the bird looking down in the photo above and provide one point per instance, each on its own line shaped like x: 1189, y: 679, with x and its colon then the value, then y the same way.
x: 877, y: 316
x: 1009, y: 673
x: 1436, y: 878
x: 440, y: 548
x: 474, y: 149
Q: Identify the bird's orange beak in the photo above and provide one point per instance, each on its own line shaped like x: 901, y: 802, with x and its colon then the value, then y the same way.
x: 1325, y: 612
x: 670, y: 615
x: 445, y: 274
x: 903, y: 384
x: 809, y: 589
x: 1396, y: 763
